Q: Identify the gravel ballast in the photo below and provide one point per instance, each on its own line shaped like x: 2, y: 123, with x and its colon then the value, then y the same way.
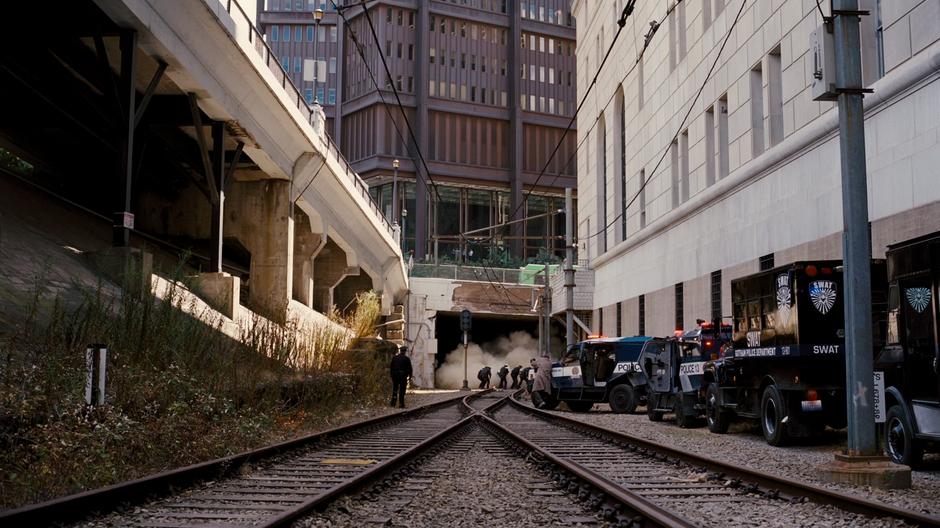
x: 744, y: 445
x: 476, y: 481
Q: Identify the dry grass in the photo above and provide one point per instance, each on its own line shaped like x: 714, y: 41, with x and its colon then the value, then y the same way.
x: 179, y: 391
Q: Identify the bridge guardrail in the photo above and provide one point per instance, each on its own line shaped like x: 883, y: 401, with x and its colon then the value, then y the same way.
x: 256, y: 39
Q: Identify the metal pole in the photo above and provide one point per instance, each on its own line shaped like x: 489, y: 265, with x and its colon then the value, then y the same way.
x: 569, y: 269
x: 316, y: 60
x: 466, y: 386
x: 856, y: 240
x: 548, y: 315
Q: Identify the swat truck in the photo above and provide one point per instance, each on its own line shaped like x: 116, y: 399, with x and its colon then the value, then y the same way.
x: 674, y: 370
x: 601, y: 370
x: 786, y: 365
x: 908, y: 363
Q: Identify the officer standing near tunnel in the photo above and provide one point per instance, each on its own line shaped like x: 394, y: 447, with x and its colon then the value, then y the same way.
x: 400, y: 369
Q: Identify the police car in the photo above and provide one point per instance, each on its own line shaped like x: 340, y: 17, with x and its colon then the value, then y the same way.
x: 674, y: 369
x: 601, y: 370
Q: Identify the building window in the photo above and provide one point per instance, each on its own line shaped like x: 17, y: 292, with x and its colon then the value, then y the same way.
x: 332, y: 33
x: 308, y: 95
x: 680, y: 309
x: 774, y: 84
x: 642, y: 182
x: 309, y: 33
x: 297, y: 65
x: 619, y: 319
x: 320, y: 93
x: 332, y: 64
x: 332, y: 99
x: 767, y: 262
x: 433, y: 55
x: 757, y: 111
x: 684, y: 166
x: 674, y: 172
x: 321, y: 35
x: 285, y: 33
x: 641, y: 315
x: 600, y: 321
x: 716, y: 297
x: 721, y: 114
x: 274, y: 33
x: 880, y: 39
x: 298, y: 34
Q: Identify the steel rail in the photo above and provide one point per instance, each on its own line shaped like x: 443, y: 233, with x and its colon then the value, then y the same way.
x: 380, y: 470
x: 771, y: 482
x: 78, y: 506
x: 639, y: 505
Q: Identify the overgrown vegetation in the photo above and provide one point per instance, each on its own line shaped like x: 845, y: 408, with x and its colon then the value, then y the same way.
x: 179, y: 390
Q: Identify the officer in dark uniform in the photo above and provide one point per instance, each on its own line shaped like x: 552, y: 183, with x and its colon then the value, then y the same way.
x: 400, y: 369
x: 514, y: 374
x: 502, y: 373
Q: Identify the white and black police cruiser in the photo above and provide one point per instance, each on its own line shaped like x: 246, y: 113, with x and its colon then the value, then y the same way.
x: 786, y: 366
x: 601, y: 370
x: 675, y: 369
x: 908, y: 364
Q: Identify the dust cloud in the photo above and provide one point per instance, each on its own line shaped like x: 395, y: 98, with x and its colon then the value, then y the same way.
x: 517, y: 349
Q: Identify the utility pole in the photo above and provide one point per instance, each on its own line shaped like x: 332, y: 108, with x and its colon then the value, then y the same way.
x: 856, y: 242
x: 569, y: 269
x: 548, y: 315
x: 861, y: 462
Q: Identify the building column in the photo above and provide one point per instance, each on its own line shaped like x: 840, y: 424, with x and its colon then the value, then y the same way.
x: 421, y: 111
x: 330, y: 267
x: 516, y: 158
x: 260, y: 217
x: 306, y: 246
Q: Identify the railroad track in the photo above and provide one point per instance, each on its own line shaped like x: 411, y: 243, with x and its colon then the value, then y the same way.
x: 269, y: 486
x: 701, y: 491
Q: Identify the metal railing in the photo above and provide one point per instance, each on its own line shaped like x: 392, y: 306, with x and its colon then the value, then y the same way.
x: 471, y: 273
x: 267, y: 55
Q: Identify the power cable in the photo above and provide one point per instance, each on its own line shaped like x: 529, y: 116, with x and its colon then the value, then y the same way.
x: 681, y: 126
x: 621, y: 22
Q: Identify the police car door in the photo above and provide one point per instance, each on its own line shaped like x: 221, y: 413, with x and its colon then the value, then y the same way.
x: 657, y: 363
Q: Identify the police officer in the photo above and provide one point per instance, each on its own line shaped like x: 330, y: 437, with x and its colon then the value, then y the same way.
x: 502, y: 373
x: 484, y: 377
x: 400, y: 370
x: 515, y: 376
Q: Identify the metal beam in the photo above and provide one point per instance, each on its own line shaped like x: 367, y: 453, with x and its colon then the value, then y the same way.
x: 203, y: 146
x: 107, y: 76
x: 123, y: 219
x: 230, y: 173
x: 148, y: 93
x: 218, y: 206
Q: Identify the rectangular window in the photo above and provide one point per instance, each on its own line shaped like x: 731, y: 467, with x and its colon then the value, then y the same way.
x: 600, y: 321
x: 332, y: 33
x: 400, y: 17
x: 399, y: 50
x: 619, y: 319
x: 716, y: 297
x: 684, y: 166
x: 680, y: 309
x: 274, y: 32
x: 297, y: 64
x: 766, y: 262
x: 332, y: 64
x: 431, y: 86
x: 411, y: 52
x: 433, y: 55
x: 321, y: 35
x: 641, y: 313
x: 774, y: 97
x: 309, y: 33
x: 332, y: 99
x: 721, y: 113
x: 298, y: 34
x: 285, y: 33
x: 639, y: 83
x: 308, y: 95
x: 320, y: 92
x: 431, y: 24
x: 642, y: 182
x: 757, y: 111
x: 388, y: 48
x: 674, y: 172
x: 710, y: 146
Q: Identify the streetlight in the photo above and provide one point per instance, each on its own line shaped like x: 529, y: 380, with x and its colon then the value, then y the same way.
x: 317, y: 17
x: 395, y: 165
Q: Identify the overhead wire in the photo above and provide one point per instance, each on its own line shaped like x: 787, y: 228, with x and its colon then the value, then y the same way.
x: 681, y: 125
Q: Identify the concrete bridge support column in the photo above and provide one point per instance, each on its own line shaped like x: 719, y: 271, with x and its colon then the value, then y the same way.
x: 259, y: 215
x: 307, y: 244
x: 344, y: 293
x: 330, y: 267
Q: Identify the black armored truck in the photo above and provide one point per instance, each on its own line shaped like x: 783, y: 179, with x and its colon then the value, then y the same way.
x: 786, y: 364
x: 908, y: 364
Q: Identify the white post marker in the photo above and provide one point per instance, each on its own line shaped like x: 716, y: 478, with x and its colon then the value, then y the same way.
x: 94, y: 394
x: 879, y: 396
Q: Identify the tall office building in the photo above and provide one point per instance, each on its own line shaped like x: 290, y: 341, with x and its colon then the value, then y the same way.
x: 488, y: 87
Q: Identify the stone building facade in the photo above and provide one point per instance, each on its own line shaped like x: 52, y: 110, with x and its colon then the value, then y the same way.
x: 752, y: 178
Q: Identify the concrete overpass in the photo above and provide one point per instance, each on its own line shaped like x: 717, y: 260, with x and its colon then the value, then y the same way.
x: 215, y: 146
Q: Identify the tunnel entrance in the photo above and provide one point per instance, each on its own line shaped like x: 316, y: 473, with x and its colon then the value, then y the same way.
x: 496, y: 339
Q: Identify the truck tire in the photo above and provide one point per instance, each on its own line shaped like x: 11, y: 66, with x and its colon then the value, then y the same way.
x: 773, y: 408
x: 580, y: 406
x: 683, y: 420
x: 651, y: 412
x: 622, y: 399
x: 900, y: 443
x: 718, y: 420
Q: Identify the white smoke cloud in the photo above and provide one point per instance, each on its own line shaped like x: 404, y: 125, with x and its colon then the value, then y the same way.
x: 517, y: 349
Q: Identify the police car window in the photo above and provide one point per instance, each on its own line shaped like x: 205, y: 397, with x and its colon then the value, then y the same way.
x: 689, y: 350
